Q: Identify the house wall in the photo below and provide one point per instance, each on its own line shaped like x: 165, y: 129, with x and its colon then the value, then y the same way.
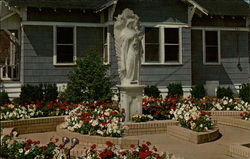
x: 155, y: 11
x: 38, y: 53
x: 62, y: 15
x: 162, y: 75
x: 227, y: 73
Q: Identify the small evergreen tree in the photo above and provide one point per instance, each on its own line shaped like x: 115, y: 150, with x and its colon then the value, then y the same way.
x: 152, y: 91
x: 4, y: 98
x: 175, y: 89
x: 224, y: 92
x: 198, y: 91
x: 89, y: 81
x: 245, y: 92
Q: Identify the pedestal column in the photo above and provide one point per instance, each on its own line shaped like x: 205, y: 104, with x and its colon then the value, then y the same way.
x: 131, y: 99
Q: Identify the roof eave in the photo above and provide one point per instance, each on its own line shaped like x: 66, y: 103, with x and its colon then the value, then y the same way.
x: 196, y: 5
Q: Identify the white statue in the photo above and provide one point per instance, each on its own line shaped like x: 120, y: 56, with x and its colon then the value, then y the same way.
x: 128, y: 47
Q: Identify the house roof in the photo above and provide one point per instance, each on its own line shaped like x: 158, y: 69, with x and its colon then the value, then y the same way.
x: 225, y: 7
x: 80, y: 4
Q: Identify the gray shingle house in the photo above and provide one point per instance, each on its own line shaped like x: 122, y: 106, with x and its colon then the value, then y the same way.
x: 187, y: 41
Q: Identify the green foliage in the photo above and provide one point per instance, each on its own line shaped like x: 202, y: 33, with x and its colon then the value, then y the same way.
x: 245, y: 92
x: 224, y: 92
x: 50, y: 92
x: 175, y: 89
x: 152, y: 91
x: 89, y: 81
x: 198, y: 91
x: 30, y: 93
x: 4, y: 98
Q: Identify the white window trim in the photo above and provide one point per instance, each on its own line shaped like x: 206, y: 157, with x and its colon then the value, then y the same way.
x: 108, y: 48
x: 204, y: 47
x: 55, y: 63
x: 162, y: 46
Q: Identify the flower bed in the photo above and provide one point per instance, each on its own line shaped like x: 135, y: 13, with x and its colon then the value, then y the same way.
x: 245, y: 115
x: 192, y: 136
x: 21, y: 149
x: 14, y: 111
x: 141, y: 118
x: 87, y: 140
x: 135, y: 152
x: 102, y: 119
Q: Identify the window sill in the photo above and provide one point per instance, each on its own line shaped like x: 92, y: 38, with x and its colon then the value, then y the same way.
x: 162, y: 64
x: 65, y: 64
x: 213, y: 64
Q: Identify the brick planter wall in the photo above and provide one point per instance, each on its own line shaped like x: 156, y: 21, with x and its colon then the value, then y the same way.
x: 192, y: 136
x: 225, y: 113
x: 33, y: 125
x: 150, y: 127
x: 239, y: 151
x: 233, y: 122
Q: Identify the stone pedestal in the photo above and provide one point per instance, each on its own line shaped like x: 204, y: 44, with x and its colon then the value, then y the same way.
x: 131, y: 99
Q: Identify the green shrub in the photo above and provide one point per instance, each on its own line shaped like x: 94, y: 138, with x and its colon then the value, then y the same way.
x: 4, y: 98
x: 198, y: 91
x: 224, y: 92
x: 50, y: 92
x: 245, y: 92
x: 30, y: 93
x: 152, y: 91
x: 175, y: 89
x: 89, y: 81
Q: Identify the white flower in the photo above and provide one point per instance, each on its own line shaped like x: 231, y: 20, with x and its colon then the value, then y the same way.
x: 20, y: 150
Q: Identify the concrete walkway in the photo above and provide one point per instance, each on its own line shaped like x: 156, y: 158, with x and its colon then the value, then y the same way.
x: 180, y: 148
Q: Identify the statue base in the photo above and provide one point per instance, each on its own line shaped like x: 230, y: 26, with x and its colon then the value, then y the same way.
x: 131, y: 99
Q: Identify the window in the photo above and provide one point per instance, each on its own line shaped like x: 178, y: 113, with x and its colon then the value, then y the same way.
x: 152, y: 45
x: 105, y: 46
x: 211, y: 47
x: 162, y: 46
x: 65, y: 49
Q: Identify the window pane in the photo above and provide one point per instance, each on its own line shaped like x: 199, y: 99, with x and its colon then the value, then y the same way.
x: 65, y: 54
x: 151, y: 35
x: 211, y: 38
x: 172, y: 35
x: 212, y: 54
x: 105, y: 54
x: 171, y: 53
x: 152, y: 53
x: 64, y: 35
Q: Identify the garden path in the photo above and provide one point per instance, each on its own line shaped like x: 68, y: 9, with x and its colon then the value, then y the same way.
x: 211, y: 150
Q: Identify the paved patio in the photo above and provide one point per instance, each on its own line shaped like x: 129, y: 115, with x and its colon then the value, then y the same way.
x: 212, y: 150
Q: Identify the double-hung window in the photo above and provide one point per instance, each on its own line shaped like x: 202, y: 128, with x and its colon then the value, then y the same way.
x: 211, y: 47
x: 163, y: 46
x: 105, y: 46
x: 65, y: 45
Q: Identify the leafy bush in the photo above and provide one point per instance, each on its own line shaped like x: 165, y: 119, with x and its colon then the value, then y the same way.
x: 4, y: 98
x: 50, y: 92
x: 224, y: 92
x: 245, y: 92
x: 175, y: 89
x: 89, y: 81
x: 30, y: 93
x: 198, y: 91
x: 152, y: 91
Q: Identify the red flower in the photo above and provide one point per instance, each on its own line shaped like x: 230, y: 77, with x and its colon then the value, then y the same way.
x: 30, y: 141
x: 27, y: 147
x: 173, y: 107
x: 93, y: 146
x: 123, y: 153
x: 154, y: 148
x: 148, y: 143
x: 203, y: 113
x: 109, y: 144
x: 44, y: 147
x: 144, y: 155
x: 123, y: 110
x: 132, y: 146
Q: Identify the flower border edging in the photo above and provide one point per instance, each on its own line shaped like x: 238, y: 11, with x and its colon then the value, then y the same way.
x: 238, y: 151
x: 240, y: 123
x: 225, y: 113
x: 150, y: 127
x: 33, y: 125
x: 192, y: 136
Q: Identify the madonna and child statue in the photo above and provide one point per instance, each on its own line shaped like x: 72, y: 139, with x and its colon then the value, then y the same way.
x: 128, y: 44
